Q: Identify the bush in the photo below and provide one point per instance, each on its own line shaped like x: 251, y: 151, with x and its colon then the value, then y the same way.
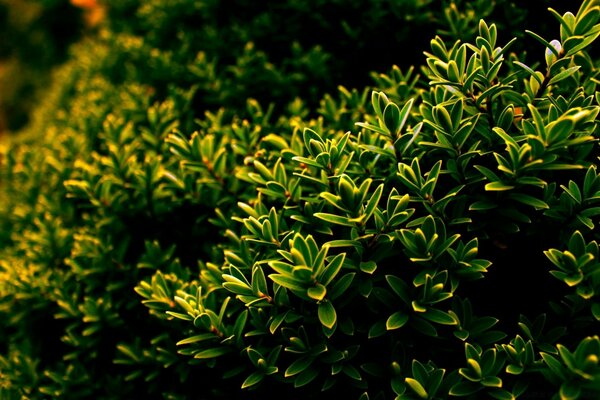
x: 35, y: 37
x: 431, y: 235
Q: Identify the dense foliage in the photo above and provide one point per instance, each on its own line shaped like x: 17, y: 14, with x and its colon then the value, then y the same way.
x: 203, y: 207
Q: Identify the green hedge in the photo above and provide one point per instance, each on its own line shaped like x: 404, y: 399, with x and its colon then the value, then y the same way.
x: 191, y: 215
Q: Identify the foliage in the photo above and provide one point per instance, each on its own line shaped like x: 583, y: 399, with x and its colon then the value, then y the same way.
x: 431, y: 236
x: 35, y: 37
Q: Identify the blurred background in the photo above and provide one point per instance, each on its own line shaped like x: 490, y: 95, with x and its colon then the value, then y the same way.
x: 35, y: 35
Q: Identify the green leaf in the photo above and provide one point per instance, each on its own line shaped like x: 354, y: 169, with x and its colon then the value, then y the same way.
x: 529, y: 70
x: 309, y: 135
x: 586, y: 21
x: 532, y: 181
x: 303, y: 274
x: 212, y: 353
x: 544, y: 42
x: 298, y: 366
x: 404, y: 113
x: 287, y: 282
x: 202, y: 320
x: 497, y: 187
x: 317, y: 292
x: 424, y: 327
x: 335, y: 219
x: 439, y: 317
x: 563, y: 74
x: 306, y: 377
x: 491, y: 92
x: 554, y: 365
x: 379, y: 100
x: 368, y: 267
x: 372, y: 127
x: 596, y: 311
x: 238, y: 288
x: 373, y: 201
x: 281, y: 267
x: 482, y: 205
x: 492, y: 381
x: 399, y: 287
x: 583, y: 44
x: 307, y: 161
x: 327, y: 314
x: 276, y: 322
x: 197, y: 338
x: 300, y: 251
x: 461, y: 334
x: 377, y: 329
x: 416, y: 386
x: 514, y: 369
x: 263, y: 171
x: 253, y: 379
x: 259, y: 282
x: 570, y: 391
x: 501, y: 394
x: 396, y: 320
x: 332, y: 269
x: 341, y: 285
x: 343, y: 243
x: 254, y: 356
x: 567, y: 357
x: 391, y: 118
x: 352, y: 372
x: 464, y: 388
x: 529, y: 200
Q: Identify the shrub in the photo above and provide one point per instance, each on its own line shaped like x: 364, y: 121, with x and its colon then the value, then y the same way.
x: 35, y: 36
x: 431, y: 236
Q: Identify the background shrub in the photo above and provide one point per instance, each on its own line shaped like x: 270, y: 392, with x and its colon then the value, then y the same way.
x: 203, y: 206
x: 35, y: 37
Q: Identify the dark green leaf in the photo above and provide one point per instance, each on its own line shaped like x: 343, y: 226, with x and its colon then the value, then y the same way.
x: 464, y: 388
x: 298, y: 366
x: 391, y: 118
x: 253, y: 379
x: 305, y: 377
x: 327, y: 314
x: 439, y: 317
x: 399, y: 287
x: 352, y: 372
x: 373, y: 202
x: 212, y: 353
x: 396, y: 320
x: 482, y: 205
x: 332, y: 269
x: 570, y: 391
x: 554, y: 365
x: 529, y: 200
x: 377, y: 329
x: 368, y: 266
x: 341, y: 285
